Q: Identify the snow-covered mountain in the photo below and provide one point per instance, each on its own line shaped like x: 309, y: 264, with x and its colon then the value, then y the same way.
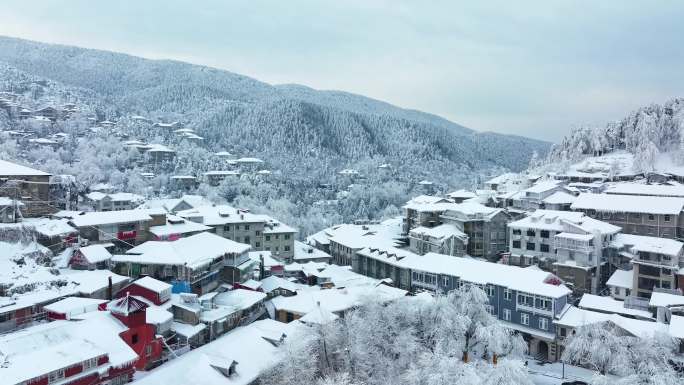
x: 653, y: 134
x: 289, y: 121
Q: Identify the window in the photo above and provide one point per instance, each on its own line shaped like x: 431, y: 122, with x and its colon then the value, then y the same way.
x: 563, y: 332
x: 516, y: 244
x: 490, y: 310
x: 490, y: 290
x: 516, y: 232
x: 543, y: 324
x: 134, y: 338
x: 530, y: 246
x: 237, y: 227
x: 268, y: 237
x: 544, y: 234
x: 91, y: 363
x: 525, y: 300
x: 226, y: 227
x: 524, y: 318
x: 257, y: 244
x: 148, y: 350
x: 531, y: 233
x: 287, y: 236
x: 55, y: 376
x: 445, y: 281
x: 277, y: 236
x: 651, y: 217
x: 257, y: 233
x: 507, y: 314
x: 246, y: 227
x: 287, y: 248
x: 247, y: 239
x: 507, y: 294
x: 667, y: 218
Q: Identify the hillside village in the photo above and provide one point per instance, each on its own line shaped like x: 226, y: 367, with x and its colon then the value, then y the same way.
x: 156, y: 268
x: 145, y: 282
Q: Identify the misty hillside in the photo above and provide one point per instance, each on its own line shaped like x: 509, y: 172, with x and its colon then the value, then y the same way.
x: 237, y: 111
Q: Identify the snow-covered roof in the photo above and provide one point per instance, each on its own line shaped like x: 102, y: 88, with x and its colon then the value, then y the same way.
x: 636, y: 243
x: 177, y: 225
x: 95, y: 253
x: 187, y: 330
x: 302, y: 251
x: 222, y: 173
x: 50, y: 227
x: 559, y: 198
x: 251, y: 284
x: 249, y: 160
x: 335, y: 300
x: 628, y: 203
x: 610, y: 305
x: 575, y: 317
x: 440, y: 232
x: 256, y: 354
x: 273, y: 226
x: 481, y: 272
x: 41, y: 349
x: 319, y: 316
x: 543, y: 187
x: 211, y: 215
x: 269, y: 260
x: 152, y: 284
x: 564, y: 221
x: 13, y: 169
x: 115, y: 197
x: 273, y: 282
x: 665, y: 300
x: 622, y: 279
x: 360, y: 236
x: 71, y: 306
x: 194, y: 251
x: 503, y: 178
x: 461, y: 194
x: 110, y: 217
x: 646, y: 189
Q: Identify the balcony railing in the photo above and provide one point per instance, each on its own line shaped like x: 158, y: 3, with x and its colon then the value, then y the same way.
x: 532, y: 309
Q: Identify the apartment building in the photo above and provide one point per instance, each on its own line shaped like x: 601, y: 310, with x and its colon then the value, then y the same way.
x: 527, y: 300
x: 571, y: 244
x: 28, y: 185
x: 485, y: 227
x: 125, y: 228
x: 261, y: 232
x: 113, y: 202
x: 652, y: 216
x: 196, y: 263
x: 657, y: 263
x: 443, y: 239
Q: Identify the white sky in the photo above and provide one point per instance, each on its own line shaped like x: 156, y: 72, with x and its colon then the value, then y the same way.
x: 533, y: 68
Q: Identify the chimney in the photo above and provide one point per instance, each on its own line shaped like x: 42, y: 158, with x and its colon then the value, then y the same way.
x: 110, y: 289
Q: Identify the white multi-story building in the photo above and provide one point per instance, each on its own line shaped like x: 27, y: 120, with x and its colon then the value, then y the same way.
x: 571, y: 244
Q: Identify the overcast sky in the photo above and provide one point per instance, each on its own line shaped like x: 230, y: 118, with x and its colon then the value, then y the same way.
x: 528, y: 68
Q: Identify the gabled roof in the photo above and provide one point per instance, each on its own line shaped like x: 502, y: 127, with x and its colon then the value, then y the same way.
x: 126, y: 305
x: 152, y: 284
x: 194, y: 251
x: 13, y: 169
x: 95, y: 253
x: 622, y: 279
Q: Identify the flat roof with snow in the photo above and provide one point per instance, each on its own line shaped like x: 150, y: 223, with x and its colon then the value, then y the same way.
x: 629, y: 204
x: 110, y: 217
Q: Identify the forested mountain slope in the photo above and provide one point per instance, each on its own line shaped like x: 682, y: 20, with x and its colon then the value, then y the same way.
x: 305, y: 136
